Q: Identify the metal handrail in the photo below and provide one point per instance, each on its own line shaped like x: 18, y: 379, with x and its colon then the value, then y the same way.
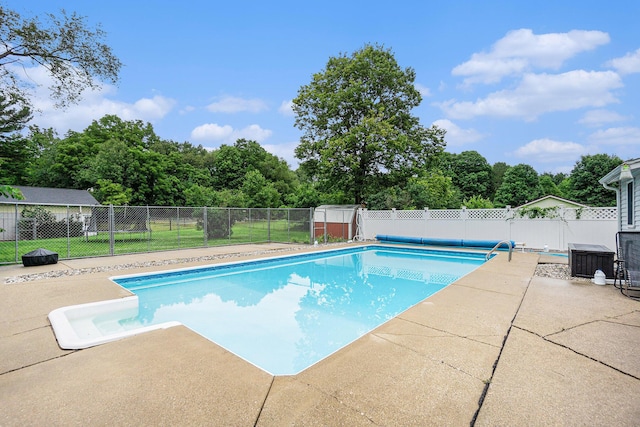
x: 508, y: 242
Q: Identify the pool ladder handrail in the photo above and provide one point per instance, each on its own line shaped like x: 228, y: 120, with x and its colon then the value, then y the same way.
x: 508, y: 242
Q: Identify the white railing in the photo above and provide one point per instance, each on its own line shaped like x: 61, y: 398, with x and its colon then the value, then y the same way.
x: 556, y: 231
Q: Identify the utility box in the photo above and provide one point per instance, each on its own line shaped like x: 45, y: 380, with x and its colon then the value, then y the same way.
x: 585, y: 259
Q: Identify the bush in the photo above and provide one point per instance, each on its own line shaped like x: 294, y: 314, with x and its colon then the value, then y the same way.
x: 39, y: 223
x: 219, y: 221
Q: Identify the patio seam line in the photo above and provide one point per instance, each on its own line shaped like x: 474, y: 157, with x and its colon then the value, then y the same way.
x: 577, y: 352
x: 617, y: 316
x: 469, y: 337
x: 39, y: 362
x: 483, y: 289
x: 264, y: 401
x: 431, y: 359
x: 495, y: 364
x: 562, y: 330
x: 333, y: 396
x: 47, y: 326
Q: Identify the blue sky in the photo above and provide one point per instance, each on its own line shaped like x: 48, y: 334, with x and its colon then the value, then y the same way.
x: 535, y: 82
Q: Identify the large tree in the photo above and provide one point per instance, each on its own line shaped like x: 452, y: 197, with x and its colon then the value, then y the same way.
x: 583, y: 181
x: 358, y: 131
x: 520, y: 184
x: 71, y: 52
x: 470, y: 173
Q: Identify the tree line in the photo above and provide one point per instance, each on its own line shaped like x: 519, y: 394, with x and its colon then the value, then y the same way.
x: 360, y: 142
x: 126, y: 163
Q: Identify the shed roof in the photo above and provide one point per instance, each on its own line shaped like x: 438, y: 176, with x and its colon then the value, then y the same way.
x: 555, y: 200
x: 44, y: 195
x: 338, y: 207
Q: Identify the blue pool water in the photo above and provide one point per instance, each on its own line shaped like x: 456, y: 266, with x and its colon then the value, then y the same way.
x: 287, y: 313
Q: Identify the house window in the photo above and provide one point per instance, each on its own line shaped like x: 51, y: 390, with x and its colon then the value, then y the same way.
x: 630, y: 203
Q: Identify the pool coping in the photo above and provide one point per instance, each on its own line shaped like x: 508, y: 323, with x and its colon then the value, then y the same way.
x: 457, y: 358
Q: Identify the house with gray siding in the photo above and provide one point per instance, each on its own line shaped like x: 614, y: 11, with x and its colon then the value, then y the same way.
x: 625, y: 181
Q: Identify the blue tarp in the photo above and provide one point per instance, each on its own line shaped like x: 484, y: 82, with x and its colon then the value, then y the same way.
x: 482, y: 244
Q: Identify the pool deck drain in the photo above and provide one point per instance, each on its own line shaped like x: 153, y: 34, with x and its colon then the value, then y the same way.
x: 570, y: 357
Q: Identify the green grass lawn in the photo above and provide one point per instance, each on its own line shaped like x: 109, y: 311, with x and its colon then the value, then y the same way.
x: 163, y: 236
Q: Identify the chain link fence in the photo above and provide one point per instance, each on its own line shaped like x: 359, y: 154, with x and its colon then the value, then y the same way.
x: 75, y: 231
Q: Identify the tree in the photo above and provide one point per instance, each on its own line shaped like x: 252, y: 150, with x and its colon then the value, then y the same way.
x: 433, y: 191
x: 549, y: 187
x: 10, y: 192
x: 358, y: 132
x: 14, y: 114
x: 260, y: 192
x: 16, y: 152
x: 470, y: 172
x: 497, y: 174
x: 478, y: 202
x: 231, y: 164
x: 110, y: 193
x: 520, y: 185
x: 72, y: 53
x: 583, y: 181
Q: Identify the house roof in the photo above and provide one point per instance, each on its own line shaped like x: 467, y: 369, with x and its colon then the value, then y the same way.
x: 558, y: 200
x: 43, y: 196
x: 614, y: 175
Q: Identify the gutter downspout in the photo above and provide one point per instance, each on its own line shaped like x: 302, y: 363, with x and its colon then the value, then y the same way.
x: 619, y: 214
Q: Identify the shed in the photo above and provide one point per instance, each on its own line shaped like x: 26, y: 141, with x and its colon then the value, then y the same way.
x: 61, y: 202
x: 551, y: 201
x: 625, y: 181
x: 338, y: 221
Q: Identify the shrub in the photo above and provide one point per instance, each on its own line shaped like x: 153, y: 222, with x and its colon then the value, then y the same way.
x: 39, y: 223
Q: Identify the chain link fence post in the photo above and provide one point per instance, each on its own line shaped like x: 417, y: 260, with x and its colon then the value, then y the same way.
x: 205, y: 223
x: 112, y: 226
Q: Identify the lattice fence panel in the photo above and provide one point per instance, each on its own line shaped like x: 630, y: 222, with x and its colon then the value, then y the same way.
x: 445, y: 214
x: 410, y: 214
x: 377, y: 214
x: 488, y: 214
x: 591, y: 214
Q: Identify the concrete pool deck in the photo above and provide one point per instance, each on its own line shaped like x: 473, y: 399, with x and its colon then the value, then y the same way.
x: 498, y: 347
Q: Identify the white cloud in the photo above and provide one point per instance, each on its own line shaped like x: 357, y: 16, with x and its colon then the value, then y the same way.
x: 231, y: 104
x: 521, y: 50
x: 424, y: 91
x: 254, y: 132
x: 93, y: 105
x: 547, y: 150
x: 187, y: 109
x: 153, y: 108
x: 542, y: 93
x: 628, y: 64
x: 212, y: 132
x: 284, y: 151
x: 617, y: 136
x: 286, y: 108
x: 456, y: 136
x: 599, y: 117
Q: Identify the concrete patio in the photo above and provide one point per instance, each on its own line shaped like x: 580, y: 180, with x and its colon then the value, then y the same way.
x: 498, y: 347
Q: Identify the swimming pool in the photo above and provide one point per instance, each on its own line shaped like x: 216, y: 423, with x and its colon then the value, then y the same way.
x: 285, y: 314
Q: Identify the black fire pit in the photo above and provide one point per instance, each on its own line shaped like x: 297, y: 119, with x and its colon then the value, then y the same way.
x: 39, y: 257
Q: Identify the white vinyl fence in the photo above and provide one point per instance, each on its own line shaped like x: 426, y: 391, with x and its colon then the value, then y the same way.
x: 555, y: 230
